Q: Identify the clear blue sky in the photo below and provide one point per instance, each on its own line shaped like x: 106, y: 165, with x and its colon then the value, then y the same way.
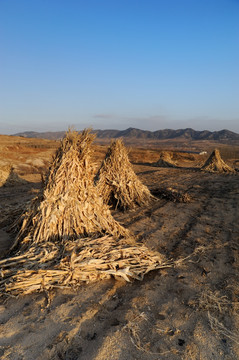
x: 151, y: 64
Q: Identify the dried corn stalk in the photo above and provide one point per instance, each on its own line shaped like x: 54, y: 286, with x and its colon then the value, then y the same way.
x: 165, y: 160
x: 82, y: 260
x: 116, y: 181
x: 215, y: 163
x: 54, y: 250
x: 69, y: 206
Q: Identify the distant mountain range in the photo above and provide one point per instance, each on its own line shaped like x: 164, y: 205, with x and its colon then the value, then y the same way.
x: 166, y: 134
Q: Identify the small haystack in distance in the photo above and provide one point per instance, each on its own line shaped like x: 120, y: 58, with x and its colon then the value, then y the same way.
x: 165, y: 160
x: 117, y: 182
x: 69, y: 206
x: 215, y: 163
x: 8, y: 177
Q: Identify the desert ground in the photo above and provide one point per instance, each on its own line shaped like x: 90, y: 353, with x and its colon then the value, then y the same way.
x: 188, y: 310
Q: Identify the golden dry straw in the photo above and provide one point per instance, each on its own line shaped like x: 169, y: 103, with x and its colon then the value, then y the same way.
x: 117, y: 182
x: 69, y: 207
x: 215, y: 163
x: 49, y: 265
x: 165, y: 160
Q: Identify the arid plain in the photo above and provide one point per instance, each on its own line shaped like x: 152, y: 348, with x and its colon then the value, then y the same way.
x: 188, y: 310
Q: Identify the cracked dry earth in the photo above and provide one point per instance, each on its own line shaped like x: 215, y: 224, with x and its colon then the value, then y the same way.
x: 189, y: 311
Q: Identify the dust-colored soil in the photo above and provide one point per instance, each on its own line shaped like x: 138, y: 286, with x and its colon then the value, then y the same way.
x: 189, y: 311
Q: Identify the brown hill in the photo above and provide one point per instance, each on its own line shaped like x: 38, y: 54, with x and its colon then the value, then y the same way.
x: 189, y: 134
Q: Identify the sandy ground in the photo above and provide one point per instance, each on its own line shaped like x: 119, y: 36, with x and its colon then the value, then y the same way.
x: 189, y: 311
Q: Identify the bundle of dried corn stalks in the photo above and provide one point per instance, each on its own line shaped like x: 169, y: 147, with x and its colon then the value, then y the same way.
x: 68, y: 207
x: 116, y: 181
x: 53, y: 248
x: 48, y: 265
x: 215, y: 163
x: 8, y: 177
x: 165, y: 160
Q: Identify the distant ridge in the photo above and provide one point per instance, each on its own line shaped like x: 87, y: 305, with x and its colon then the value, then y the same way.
x: 50, y: 135
x: 166, y: 134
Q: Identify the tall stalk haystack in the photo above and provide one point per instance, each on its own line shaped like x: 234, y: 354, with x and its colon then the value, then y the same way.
x: 8, y: 177
x: 117, y: 182
x: 215, y: 163
x: 68, y: 206
x: 165, y: 160
x: 68, y: 235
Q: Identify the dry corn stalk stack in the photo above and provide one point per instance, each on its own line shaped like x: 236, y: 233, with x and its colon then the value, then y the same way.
x: 68, y: 206
x: 215, y: 163
x: 53, y: 251
x: 8, y: 177
x: 165, y: 160
x: 117, y: 182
